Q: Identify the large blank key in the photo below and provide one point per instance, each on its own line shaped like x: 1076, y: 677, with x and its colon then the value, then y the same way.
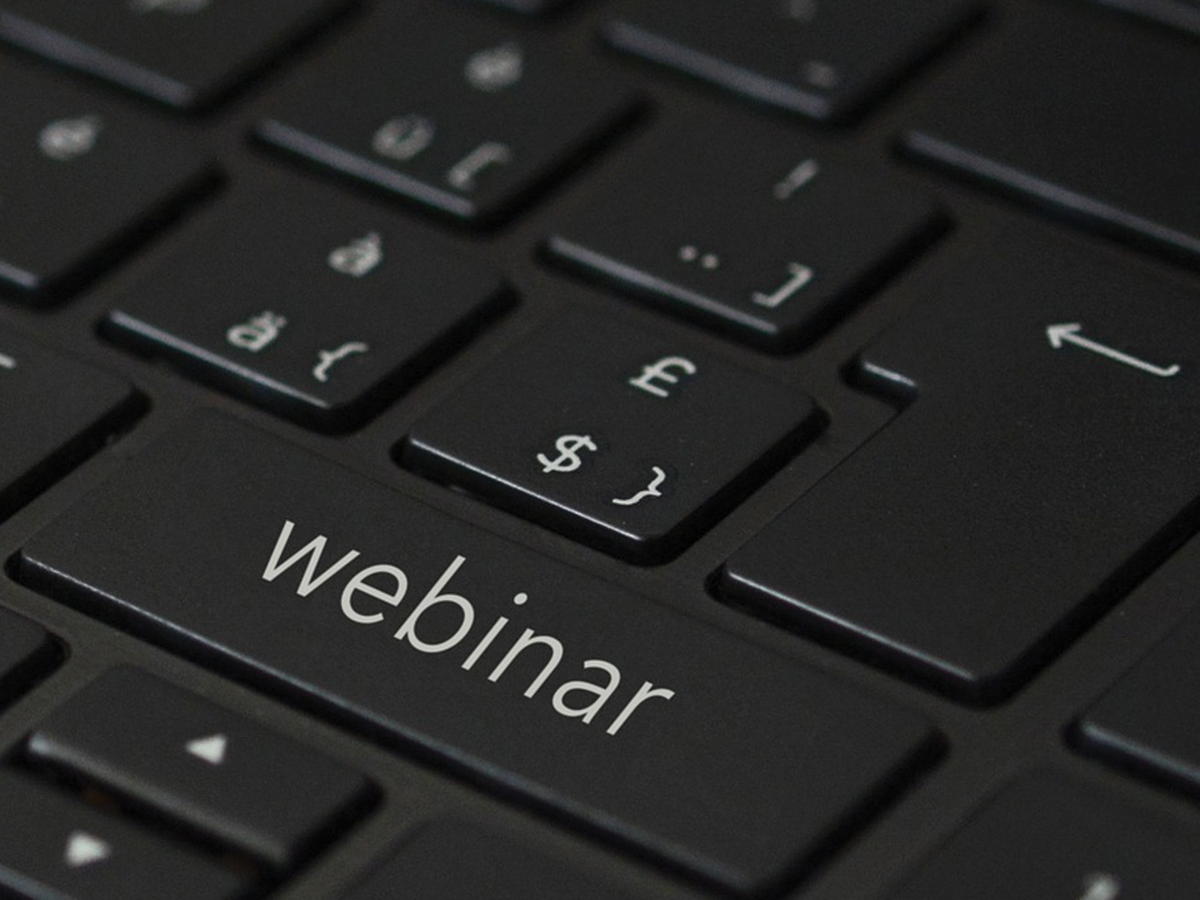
x: 1071, y: 113
x: 514, y: 669
x: 1047, y: 460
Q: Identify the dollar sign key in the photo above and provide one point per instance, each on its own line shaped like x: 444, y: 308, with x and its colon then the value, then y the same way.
x: 568, y: 447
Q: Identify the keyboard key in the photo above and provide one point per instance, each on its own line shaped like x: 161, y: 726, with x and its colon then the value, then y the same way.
x: 451, y: 110
x: 1183, y: 14
x: 1035, y: 120
x: 177, y: 753
x: 1148, y: 721
x: 53, y: 847
x: 458, y: 860
x: 186, y: 53
x: 57, y: 412
x: 25, y: 649
x: 628, y: 440
x: 1044, y: 464
x: 1053, y: 838
x: 824, y: 60
x: 776, y: 243
x: 312, y: 305
x: 83, y: 181
x: 513, y: 669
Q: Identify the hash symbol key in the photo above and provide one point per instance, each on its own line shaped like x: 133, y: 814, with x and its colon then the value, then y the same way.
x: 624, y: 439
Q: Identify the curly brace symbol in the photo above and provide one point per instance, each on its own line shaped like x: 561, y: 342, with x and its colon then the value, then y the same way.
x: 652, y: 490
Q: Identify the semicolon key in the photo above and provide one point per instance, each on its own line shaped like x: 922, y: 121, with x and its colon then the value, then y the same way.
x: 751, y: 231
x: 1044, y: 460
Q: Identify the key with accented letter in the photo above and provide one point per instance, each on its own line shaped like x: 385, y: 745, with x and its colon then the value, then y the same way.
x: 317, y: 306
x: 1046, y: 459
x: 521, y: 673
x: 628, y: 440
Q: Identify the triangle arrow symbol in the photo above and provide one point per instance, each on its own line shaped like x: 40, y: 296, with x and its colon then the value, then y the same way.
x: 84, y: 849
x: 210, y: 749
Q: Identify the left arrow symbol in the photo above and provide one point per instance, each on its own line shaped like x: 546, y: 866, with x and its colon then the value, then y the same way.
x: 211, y: 749
x: 85, y: 849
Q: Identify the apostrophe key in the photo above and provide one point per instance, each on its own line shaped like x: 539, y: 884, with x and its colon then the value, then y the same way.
x: 178, y: 755
x: 459, y: 860
x: 311, y: 304
x: 749, y: 229
x: 1048, y: 457
x: 83, y: 180
x: 515, y: 670
x: 628, y: 440
x: 25, y: 649
x: 1036, y: 118
x: 451, y: 110
x: 821, y: 58
x: 55, y: 412
x: 54, y: 847
x: 1047, y: 836
x: 186, y: 53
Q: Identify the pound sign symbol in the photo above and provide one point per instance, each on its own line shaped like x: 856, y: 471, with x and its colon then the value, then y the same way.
x: 568, y: 447
x: 664, y: 371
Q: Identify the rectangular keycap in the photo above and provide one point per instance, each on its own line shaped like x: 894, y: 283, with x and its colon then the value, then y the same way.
x: 1044, y: 461
x: 186, y: 53
x: 458, y: 112
x: 646, y: 439
x: 24, y: 649
x: 83, y: 180
x: 1070, y: 112
x: 174, y: 752
x: 55, y: 847
x: 821, y: 58
x: 427, y: 632
x: 324, y: 321
x: 1149, y: 722
x: 1058, y: 839
x: 56, y: 411
x: 460, y: 860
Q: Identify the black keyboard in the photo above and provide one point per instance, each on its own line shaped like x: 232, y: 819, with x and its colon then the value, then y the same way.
x: 651, y: 449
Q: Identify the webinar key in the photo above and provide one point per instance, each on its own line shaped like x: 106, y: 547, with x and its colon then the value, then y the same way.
x: 667, y: 735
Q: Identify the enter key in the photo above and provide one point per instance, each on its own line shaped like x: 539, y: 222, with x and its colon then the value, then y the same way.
x: 1045, y: 460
